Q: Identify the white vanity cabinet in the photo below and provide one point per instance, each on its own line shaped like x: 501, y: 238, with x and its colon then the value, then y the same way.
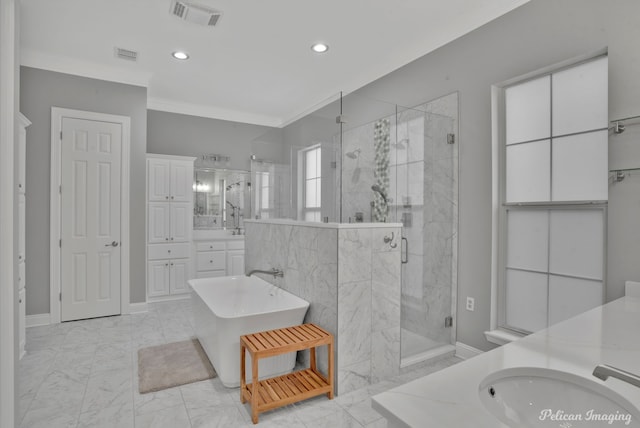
x: 169, y: 225
x: 235, y: 258
x: 170, y: 178
x: 21, y: 128
x: 219, y: 257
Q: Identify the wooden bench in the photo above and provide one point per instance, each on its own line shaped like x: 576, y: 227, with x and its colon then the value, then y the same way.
x: 279, y: 391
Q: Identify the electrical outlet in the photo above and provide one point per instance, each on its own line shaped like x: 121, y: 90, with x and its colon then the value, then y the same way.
x: 471, y: 304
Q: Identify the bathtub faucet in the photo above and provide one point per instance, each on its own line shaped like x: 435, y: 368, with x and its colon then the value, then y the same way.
x: 275, y: 272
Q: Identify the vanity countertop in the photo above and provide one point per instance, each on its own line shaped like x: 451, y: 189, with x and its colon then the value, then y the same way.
x: 214, y: 234
x: 609, y: 334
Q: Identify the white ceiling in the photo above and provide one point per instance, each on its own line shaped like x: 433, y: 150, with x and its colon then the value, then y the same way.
x: 256, y: 65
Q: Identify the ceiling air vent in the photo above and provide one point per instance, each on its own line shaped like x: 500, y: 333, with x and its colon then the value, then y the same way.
x: 195, y: 13
x: 126, y: 54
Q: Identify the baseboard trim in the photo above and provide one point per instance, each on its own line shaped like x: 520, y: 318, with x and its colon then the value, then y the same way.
x: 37, y: 320
x: 465, y: 351
x: 138, y: 308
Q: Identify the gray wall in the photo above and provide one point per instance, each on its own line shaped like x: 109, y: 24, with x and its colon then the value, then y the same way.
x: 41, y: 90
x: 538, y: 34
x: 183, y: 135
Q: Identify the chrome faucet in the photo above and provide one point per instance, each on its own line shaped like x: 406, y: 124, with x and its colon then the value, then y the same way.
x: 275, y: 272
x: 603, y: 371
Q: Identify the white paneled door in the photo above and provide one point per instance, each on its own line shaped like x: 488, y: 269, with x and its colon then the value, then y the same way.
x: 90, y: 218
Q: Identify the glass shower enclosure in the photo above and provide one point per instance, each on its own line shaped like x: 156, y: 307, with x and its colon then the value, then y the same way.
x: 355, y: 159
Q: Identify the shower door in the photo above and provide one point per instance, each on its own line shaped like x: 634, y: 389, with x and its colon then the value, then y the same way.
x: 425, y: 163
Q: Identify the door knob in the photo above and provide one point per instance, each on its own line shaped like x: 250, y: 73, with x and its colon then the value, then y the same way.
x: 113, y: 244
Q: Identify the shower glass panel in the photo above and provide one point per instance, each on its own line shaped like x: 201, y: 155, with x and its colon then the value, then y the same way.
x: 427, y: 185
x: 368, y: 147
x: 313, y: 143
x: 271, y: 189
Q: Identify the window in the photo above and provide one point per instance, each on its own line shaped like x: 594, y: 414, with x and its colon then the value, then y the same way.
x: 262, y: 186
x: 312, y: 191
x: 550, y: 196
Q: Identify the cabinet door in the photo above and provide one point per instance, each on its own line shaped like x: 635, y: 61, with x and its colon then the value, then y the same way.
x: 159, y: 222
x: 181, y: 219
x: 158, y: 178
x: 180, y: 269
x: 158, y: 278
x: 181, y: 187
x: 235, y: 262
x: 21, y: 227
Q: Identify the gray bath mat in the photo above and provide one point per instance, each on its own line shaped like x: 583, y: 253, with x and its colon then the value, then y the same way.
x: 165, y: 366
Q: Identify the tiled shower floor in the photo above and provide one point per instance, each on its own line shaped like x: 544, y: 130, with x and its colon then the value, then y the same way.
x: 84, y: 374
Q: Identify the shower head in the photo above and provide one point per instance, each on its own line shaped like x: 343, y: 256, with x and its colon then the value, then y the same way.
x: 376, y: 188
x: 354, y: 154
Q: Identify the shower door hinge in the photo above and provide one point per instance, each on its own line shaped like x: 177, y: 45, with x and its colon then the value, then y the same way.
x: 448, y: 321
x: 341, y: 118
x: 451, y: 138
x: 334, y: 164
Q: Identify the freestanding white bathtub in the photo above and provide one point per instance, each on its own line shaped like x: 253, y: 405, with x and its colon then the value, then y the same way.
x: 228, y: 307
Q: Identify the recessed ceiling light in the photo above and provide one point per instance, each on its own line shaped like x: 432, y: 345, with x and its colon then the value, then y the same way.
x: 319, y: 47
x: 180, y: 55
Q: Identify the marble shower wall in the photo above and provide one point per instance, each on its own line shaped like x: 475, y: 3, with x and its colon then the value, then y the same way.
x: 350, y: 277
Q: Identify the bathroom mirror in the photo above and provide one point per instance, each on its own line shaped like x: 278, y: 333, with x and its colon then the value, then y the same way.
x: 221, y: 198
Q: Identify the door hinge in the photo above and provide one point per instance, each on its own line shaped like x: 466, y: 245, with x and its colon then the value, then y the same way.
x: 60, y: 296
x: 451, y: 138
x: 60, y: 135
x: 60, y: 189
x: 60, y: 243
x: 448, y: 321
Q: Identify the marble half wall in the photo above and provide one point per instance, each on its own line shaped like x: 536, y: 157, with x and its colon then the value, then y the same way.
x: 351, y: 278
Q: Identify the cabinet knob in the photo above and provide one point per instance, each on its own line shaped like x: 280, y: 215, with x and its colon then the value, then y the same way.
x: 166, y: 197
x: 172, y: 197
x: 210, y: 261
x: 19, y: 257
x: 166, y: 239
x: 211, y: 247
x: 171, y: 264
x: 20, y: 185
x: 172, y: 239
x: 168, y: 251
x: 166, y: 264
x: 19, y: 300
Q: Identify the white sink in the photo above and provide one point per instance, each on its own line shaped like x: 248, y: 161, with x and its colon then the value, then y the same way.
x: 538, y: 397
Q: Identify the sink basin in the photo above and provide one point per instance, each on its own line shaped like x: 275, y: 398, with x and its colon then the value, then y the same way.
x: 539, y: 397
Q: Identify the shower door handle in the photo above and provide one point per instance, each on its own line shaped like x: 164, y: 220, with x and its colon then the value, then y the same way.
x: 404, y: 251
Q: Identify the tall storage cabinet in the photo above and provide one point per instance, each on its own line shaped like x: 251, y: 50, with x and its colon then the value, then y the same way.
x: 169, y: 225
x: 21, y: 126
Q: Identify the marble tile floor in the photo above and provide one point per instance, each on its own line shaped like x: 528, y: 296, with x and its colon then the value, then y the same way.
x: 84, y: 374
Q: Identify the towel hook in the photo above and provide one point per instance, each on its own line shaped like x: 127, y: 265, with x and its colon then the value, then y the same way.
x: 388, y: 240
